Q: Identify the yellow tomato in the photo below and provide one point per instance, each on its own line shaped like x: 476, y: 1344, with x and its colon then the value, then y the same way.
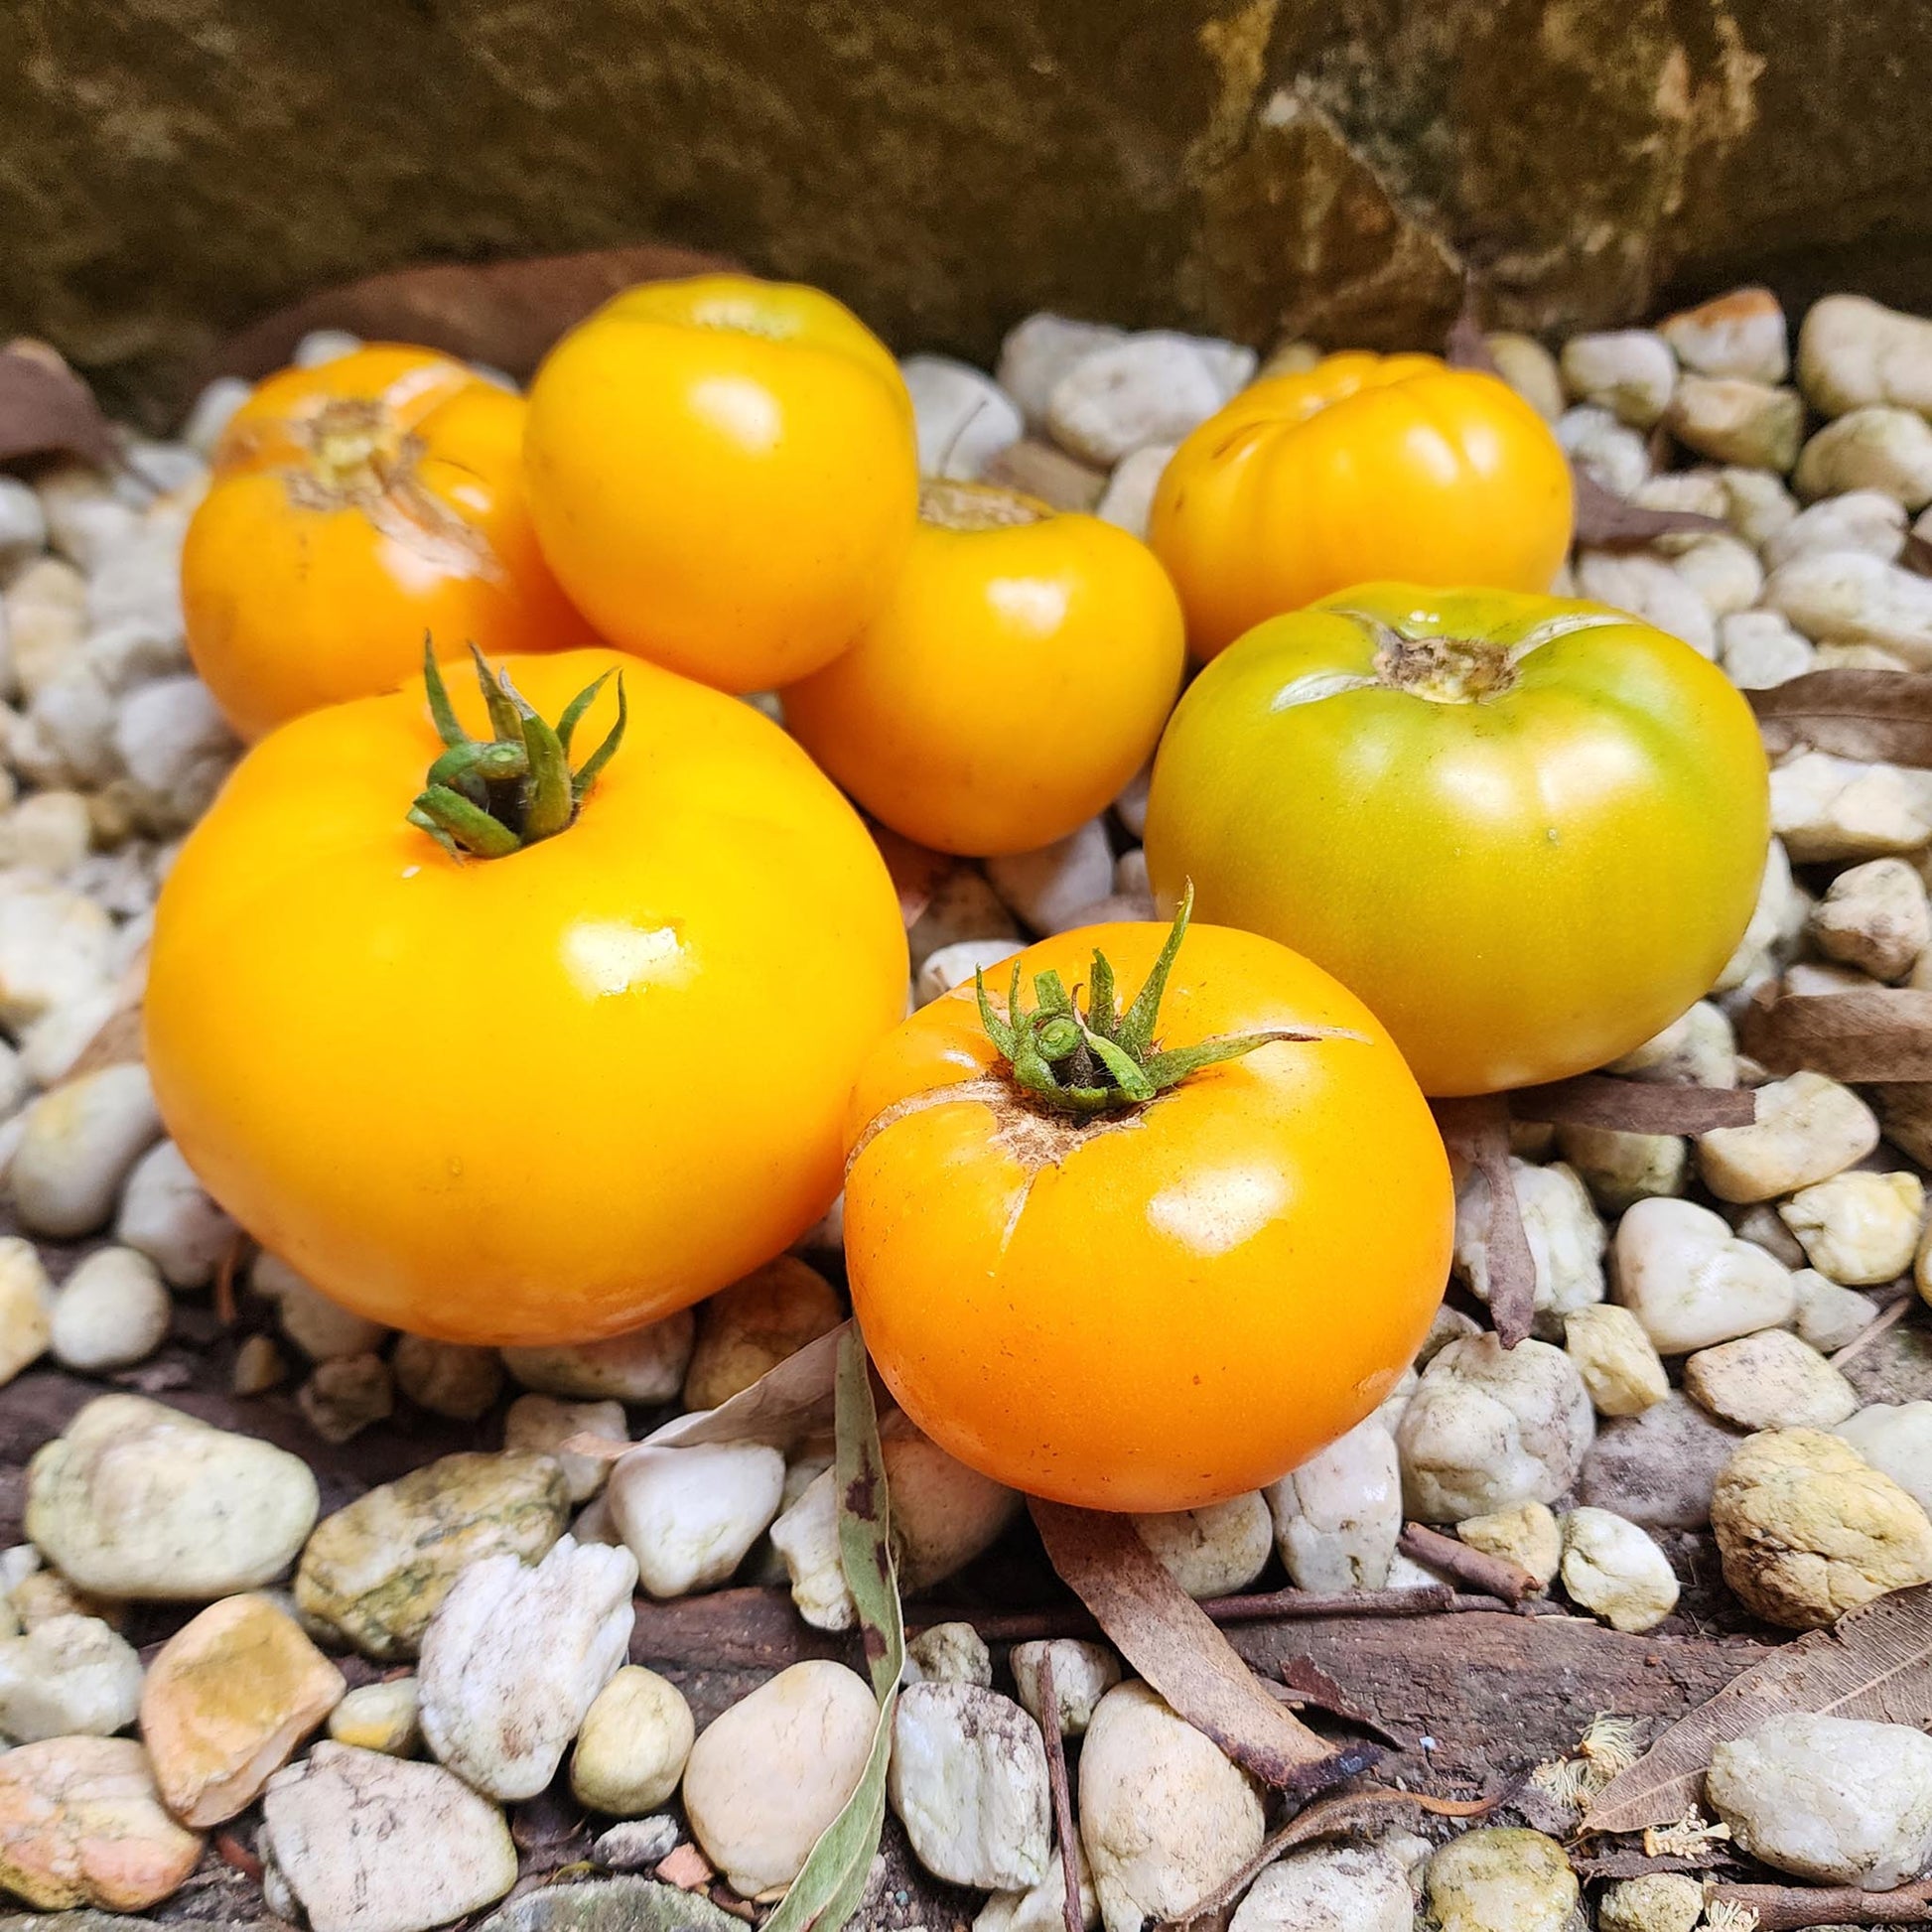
x: 1362, y: 467
x: 1151, y: 1302
x: 723, y: 475
x: 1528, y: 832
x: 353, y: 508
x: 1017, y: 678
x: 539, y: 1097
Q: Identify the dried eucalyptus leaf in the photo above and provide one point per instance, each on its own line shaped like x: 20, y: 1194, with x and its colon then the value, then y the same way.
x: 1476, y: 1133
x: 1168, y: 1638
x: 1878, y: 1034
x: 832, y: 1880
x: 1881, y: 717
x: 1634, y: 1106
x: 1875, y: 1664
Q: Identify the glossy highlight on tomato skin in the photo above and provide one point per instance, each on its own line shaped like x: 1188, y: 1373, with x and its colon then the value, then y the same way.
x: 1168, y: 1309
x: 1523, y: 885
x: 540, y: 1098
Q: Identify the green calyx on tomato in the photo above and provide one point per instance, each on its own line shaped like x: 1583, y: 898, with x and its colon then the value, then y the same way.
x: 490, y: 798
x: 1102, y: 1060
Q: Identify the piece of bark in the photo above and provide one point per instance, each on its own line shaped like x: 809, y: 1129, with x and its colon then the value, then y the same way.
x: 504, y: 312
x: 1874, y: 1034
x: 1476, y: 1133
x: 1876, y: 1663
x: 1165, y: 1634
x: 1880, y: 717
x: 1634, y: 1106
x: 46, y: 409
x: 1790, y: 1908
x: 1305, y: 1682
x: 1493, y: 1575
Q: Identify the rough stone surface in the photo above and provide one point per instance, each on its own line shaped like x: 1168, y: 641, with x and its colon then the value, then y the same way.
x: 968, y: 1781
x: 70, y: 1676
x: 770, y: 1774
x: 1163, y: 1817
x: 377, y: 1570
x: 1658, y: 1469
x: 647, y: 1365
x: 371, y: 1844
x: 514, y: 1657
x: 1807, y: 1528
x: 1502, y: 1879
x: 136, y: 1499
x: 1329, y: 1888
x: 1490, y: 1427
x: 1831, y: 1799
x: 81, y: 1824
x: 226, y: 1703
x: 1658, y: 1901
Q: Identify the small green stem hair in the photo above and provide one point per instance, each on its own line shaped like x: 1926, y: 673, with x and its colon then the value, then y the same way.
x: 1103, y: 1060
x: 488, y: 797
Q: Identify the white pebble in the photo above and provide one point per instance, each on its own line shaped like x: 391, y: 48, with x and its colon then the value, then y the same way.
x: 1866, y: 521
x: 1808, y: 1128
x: 1049, y: 888
x: 1629, y: 371
x: 1853, y: 353
x: 113, y: 1311
x: 1150, y: 388
x: 79, y: 1145
x: 1615, y: 1569
x: 167, y: 1214
x: 963, y: 417
x: 689, y: 1515
x: 1213, y: 1551
x: 1679, y: 1268
x: 1339, y: 1515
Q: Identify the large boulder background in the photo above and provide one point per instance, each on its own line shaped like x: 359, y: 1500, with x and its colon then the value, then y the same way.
x: 170, y: 168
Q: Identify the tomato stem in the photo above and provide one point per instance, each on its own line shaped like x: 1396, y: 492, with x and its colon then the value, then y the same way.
x: 485, y: 798
x: 1102, y: 1060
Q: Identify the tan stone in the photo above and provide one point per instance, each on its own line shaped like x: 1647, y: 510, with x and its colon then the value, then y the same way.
x: 753, y: 1325
x: 226, y: 1701
x: 81, y: 1824
x: 1807, y: 1528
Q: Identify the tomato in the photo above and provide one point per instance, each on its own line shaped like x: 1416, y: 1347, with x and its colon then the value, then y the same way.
x: 1141, y: 1302
x: 1528, y: 832
x: 1364, y: 467
x: 539, y: 1097
x: 1016, y: 680
x: 723, y: 475
x: 354, y: 508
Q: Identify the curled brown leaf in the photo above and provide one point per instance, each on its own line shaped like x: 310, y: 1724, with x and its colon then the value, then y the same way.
x: 1476, y: 1133
x: 1881, y: 717
x: 47, y: 410
x: 1876, y: 1033
x: 1634, y: 1106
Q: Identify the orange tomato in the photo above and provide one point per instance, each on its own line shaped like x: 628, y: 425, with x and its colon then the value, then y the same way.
x: 354, y: 506
x: 1362, y: 467
x: 534, y: 1098
x: 1154, y: 1304
x: 723, y: 475
x: 1016, y: 680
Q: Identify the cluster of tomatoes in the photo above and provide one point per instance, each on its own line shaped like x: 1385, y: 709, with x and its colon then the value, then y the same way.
x: 504, y: 1039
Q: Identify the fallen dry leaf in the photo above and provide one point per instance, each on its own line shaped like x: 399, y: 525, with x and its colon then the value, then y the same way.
x: 1476, y: 1133
x: 1874, y: 1034
x: 828, y: 1888
x: 1166, y: 1636
x: 47, y: 410
x: 1883, y: 717
x: 1608, y: 522
x: 505, y: 313
x: 1876, y: 1663
x: 1634, y: 1106
x: 796, y: 1399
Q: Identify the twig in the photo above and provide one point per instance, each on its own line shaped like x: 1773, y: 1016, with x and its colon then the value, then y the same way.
x: 1070, y: 1620
x: 1049, y: 1723
x: 1787, y: 1908
x: 233, y: 1851
x: 1888, y: 1318
x: 1493, y: 1575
